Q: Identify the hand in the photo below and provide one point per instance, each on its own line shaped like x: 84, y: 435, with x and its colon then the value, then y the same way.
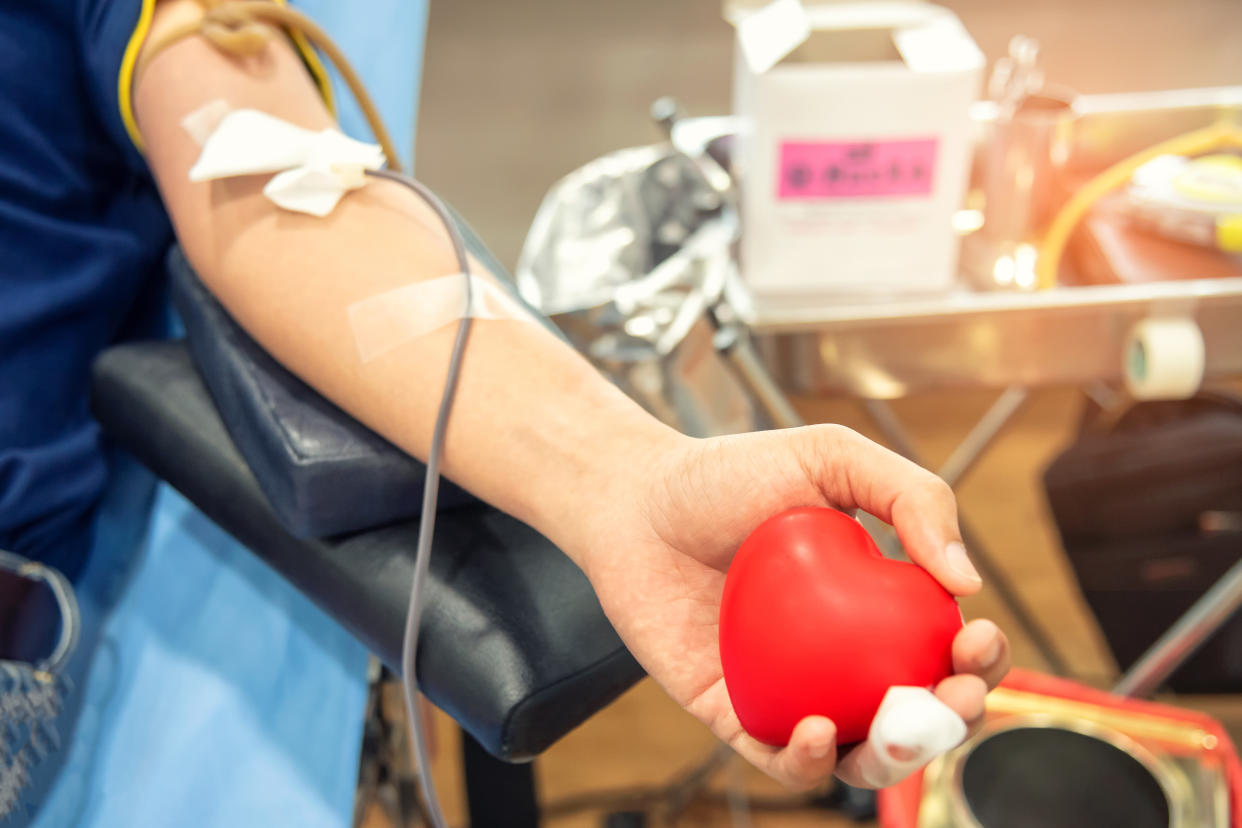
x: 658, y: 564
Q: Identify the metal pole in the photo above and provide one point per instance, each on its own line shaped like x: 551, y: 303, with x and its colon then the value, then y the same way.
x: 882, y: 414
x: 733, y: 343
x: 1181, y: 640
x: 981, y: 436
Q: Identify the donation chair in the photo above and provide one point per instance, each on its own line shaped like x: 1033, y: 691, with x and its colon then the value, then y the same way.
x: 514, y: 645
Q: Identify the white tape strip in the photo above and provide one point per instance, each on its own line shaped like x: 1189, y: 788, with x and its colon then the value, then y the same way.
x: 203, y: 121
x: 387, y: 320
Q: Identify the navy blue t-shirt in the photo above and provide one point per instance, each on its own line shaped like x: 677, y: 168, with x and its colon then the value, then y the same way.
x: 82, y: 237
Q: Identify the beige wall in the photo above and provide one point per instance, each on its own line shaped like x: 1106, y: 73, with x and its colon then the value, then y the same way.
x: 518, y: 92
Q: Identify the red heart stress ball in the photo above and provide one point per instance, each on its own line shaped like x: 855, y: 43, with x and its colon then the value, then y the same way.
x: 815, y: 621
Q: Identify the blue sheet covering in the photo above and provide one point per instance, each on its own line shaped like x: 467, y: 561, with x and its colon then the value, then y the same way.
x: 209, y: 691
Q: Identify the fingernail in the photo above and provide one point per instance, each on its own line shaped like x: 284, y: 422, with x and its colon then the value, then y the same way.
x: 992, y: 653
x: 819, y: 748
x: 959, y: 562
x: 902, y: 753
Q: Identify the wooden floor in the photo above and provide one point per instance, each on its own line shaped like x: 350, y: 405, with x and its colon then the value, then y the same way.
x: 517, y: 94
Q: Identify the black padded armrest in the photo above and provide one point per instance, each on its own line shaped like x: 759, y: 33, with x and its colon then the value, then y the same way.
x: 514, y: 644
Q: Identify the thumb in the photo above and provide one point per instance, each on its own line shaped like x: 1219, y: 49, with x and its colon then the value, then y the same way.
x: 854, y: 472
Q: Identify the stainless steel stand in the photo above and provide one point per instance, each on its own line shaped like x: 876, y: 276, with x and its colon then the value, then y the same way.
x: 1181, y: 640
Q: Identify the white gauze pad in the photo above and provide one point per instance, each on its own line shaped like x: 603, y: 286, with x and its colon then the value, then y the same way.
x: 313, y: 168
x: 914, y: 720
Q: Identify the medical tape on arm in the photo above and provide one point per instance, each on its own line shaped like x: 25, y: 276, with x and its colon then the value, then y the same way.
x: 313, y: 170
x: 203, y: 121
x: 388, y: 320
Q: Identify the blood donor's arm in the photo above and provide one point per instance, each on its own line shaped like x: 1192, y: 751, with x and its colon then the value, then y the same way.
x: 533, y: 423
x: 651, y: 516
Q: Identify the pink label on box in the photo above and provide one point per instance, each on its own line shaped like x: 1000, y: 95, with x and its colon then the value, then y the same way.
x: 816, y: 170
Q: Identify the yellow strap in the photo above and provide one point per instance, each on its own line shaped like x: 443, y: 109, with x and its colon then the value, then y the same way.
x: 125, y: 78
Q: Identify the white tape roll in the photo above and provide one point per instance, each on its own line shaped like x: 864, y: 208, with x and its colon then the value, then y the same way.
x: 1164, y: 359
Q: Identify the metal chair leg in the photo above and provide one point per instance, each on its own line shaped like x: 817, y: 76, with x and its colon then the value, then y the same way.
x: 498, y: 794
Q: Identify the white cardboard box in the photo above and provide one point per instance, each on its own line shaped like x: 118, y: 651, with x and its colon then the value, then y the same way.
x: 854, y: 147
